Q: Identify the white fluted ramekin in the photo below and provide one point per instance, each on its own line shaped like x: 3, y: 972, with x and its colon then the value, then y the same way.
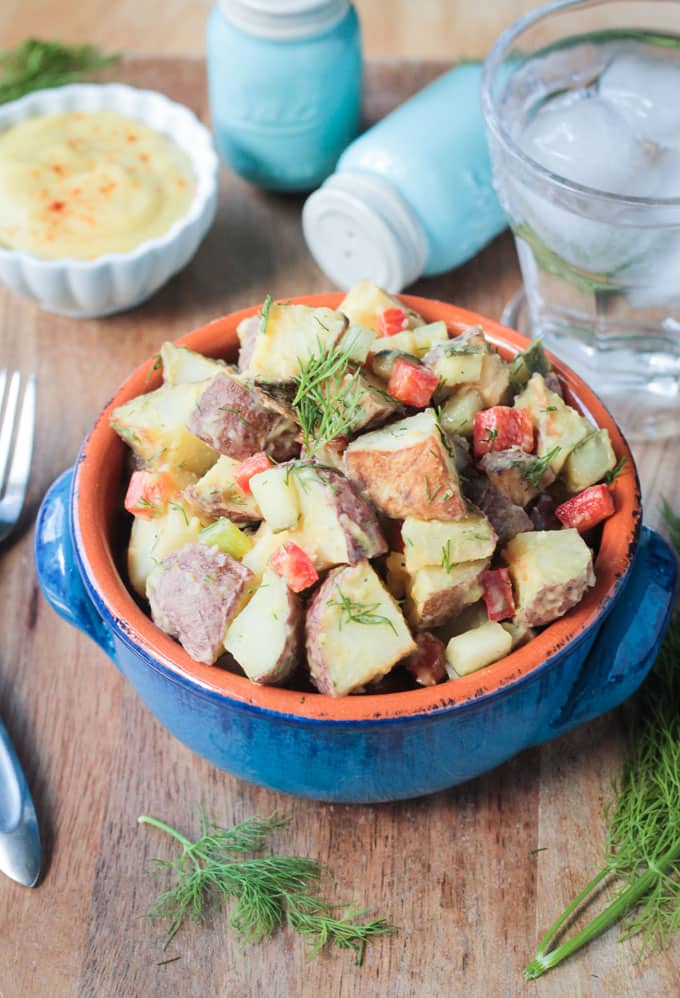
x: 116, y: 281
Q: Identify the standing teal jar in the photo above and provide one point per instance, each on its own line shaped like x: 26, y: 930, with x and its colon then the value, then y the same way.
x: 411, y: 196
x: 284, y: 80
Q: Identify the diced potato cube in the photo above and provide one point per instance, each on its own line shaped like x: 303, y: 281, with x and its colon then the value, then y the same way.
x: 494, y: 381
x: 406, y: 469
x: 446, y: 543
x: 589, y: 462
x: 152, y: 539
x: 436, y: 595
x: 365, y: 301
x: 266, y: 637
x: 558, y: 425
x: 291, y: 335
x: 218, y: 494
x: 355, y: 631
x: 277, y: 497
x: 184, y: 366
x: 358, y: 340
x: 154, y: 426
x: 550, y: 570
x: 475, y: 649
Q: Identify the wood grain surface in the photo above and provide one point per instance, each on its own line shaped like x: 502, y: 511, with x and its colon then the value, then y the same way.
x: 458, y: 872
x: 426, y: 29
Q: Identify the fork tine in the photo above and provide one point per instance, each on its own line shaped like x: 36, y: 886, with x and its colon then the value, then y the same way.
x: 7, y: 428
x: 20, y: 467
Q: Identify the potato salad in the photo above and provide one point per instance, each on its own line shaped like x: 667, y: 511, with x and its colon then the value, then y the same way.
x: 367, y: 502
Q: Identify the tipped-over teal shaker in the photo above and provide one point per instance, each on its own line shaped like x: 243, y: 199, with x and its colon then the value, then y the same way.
x: 284, y: 80
x: 411, y: 196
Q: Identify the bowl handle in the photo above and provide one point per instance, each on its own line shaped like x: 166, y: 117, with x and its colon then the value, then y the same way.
x: 628, y: 641
x: 56, y: 567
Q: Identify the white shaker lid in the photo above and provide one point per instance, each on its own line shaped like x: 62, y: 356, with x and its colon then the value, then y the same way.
x: 358, y: 227
x: 284, y: 20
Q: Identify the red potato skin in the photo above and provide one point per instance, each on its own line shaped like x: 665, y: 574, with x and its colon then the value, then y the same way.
x: 365, y: 539
x: 195, y: 595
x: 313, y: 626
x: 238, y: 419
x: 291, y: 654
x: 427, y: 664
x: 221, y: 504
x: 414, y: 481
x: 442, y: 606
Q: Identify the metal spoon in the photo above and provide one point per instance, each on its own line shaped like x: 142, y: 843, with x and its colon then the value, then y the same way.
x: 19, y: 835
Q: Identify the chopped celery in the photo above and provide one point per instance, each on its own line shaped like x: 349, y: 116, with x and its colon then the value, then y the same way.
x: 226, y: 536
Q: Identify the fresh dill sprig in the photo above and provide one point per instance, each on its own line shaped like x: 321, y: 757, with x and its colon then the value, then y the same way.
x: 354, y: 612
x: 611, y: 476
x: 446, y: 562
x: 328, y: 396
x: 269, y: 891
x: 38, y: 65
x: 266, y: 308
x: 534, y: 472
x: 642, y: 852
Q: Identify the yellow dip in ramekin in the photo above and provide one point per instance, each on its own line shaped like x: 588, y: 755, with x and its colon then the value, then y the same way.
x: 87, y: 183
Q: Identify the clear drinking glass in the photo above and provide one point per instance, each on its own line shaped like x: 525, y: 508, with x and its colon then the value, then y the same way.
x: 582, y: 106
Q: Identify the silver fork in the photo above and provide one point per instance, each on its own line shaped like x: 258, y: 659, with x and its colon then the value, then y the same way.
x: 17, y: 427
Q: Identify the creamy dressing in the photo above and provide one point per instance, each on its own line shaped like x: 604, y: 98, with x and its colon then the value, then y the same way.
x: 84, y: 184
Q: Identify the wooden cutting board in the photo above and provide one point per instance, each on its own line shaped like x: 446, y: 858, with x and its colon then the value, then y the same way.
x: 458, y: 872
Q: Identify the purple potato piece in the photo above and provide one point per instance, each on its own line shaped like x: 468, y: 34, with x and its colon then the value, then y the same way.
x: 193, y: 595
x: 511, y: 471
x: 238, y: 420
x: 542, y: 514
x: 505, y: 517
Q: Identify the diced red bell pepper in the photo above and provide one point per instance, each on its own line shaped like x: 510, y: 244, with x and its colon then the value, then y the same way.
x: 427, y: 663
x: 392, y: 320
x: 497, y: 593
x: 148, y: 493
x: 586, y: 509
x: 295, y: 565
x: 253, y: 465
x: 501, y: 427
x: 411, y: 383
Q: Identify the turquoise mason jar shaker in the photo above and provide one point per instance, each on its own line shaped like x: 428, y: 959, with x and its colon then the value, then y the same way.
x: 411, y: 196
x: 284, y: 81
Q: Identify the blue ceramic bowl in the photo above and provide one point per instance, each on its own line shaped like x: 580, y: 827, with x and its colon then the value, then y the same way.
x: 363, y: 748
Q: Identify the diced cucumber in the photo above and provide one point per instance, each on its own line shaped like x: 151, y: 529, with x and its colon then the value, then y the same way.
x: 226, y: 536
x: 458, y: 412
x: 589, y: 462
x: 530, y: 361
x: 459, y: 368
x: 474, y: 649
x: 277, y: 497
x: 425, y: 337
